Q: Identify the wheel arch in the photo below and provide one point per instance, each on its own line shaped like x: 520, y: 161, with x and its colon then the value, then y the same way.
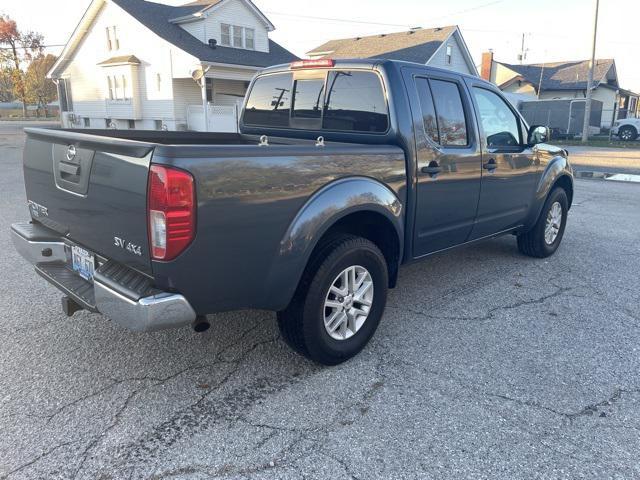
x: 557, y: 172
x: 357, y: 205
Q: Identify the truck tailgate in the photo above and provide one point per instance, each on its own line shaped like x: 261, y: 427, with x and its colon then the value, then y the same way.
x: 91, y: 189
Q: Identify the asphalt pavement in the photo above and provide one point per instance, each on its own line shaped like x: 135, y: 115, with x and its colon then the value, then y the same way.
x: 487, y: 364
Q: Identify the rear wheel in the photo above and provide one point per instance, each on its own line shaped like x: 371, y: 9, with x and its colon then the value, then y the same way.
x: 545, y: 237
x: 339, y: 302
x: 628, y: 133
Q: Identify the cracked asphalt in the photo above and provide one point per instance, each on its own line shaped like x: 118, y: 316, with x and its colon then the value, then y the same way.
x: 487, y: 364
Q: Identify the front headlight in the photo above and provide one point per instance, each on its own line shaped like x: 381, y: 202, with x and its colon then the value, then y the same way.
x: 616, y: 124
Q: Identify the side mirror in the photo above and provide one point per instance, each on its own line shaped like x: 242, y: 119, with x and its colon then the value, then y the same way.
x: 538, y: 134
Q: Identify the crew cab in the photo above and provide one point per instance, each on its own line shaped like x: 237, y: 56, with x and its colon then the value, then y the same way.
x: 343, y: 171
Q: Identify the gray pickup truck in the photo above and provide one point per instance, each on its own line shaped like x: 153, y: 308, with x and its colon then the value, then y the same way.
x: 342, y: 172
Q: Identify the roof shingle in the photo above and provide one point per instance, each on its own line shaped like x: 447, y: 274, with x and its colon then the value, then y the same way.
x: 417, y: 45
x: 156, y: 17
x: 562, y: 75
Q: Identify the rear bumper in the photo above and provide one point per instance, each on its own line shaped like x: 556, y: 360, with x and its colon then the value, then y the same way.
x: 124, y: 295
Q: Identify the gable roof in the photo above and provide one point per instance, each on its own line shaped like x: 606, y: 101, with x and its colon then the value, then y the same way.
x: 158, y: 18
x: 417, y: 45
x: 204, y: 6
x: 563, y: 75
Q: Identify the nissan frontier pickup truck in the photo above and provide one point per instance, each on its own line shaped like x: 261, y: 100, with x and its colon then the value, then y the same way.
x: 342, y: 172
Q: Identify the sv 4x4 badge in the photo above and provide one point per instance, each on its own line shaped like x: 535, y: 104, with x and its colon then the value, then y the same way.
x: 128, y: 246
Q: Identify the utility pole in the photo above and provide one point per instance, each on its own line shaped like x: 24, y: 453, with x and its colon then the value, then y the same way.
x: 587, y: 106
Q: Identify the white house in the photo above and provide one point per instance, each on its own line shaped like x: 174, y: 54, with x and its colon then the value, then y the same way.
x: 139, y: 64
x: 564, y: 80
x: 441, y: 47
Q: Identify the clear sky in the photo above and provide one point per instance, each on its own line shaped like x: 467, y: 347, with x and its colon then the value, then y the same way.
x: 554, y: 29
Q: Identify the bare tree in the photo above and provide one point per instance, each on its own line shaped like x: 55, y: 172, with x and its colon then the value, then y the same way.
x: 16, y: 48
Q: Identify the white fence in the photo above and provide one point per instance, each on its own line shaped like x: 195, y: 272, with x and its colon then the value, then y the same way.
x: 221, y: 118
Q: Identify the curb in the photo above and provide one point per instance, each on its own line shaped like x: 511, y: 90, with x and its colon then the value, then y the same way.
x: 614, y: 177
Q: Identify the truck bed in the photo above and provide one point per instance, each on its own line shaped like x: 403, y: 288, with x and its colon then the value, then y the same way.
x: 242, y: 190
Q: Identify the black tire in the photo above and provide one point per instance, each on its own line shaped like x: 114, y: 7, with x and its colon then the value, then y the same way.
x: 302, y: 322
x: 627, y: 133
x: 533, y: 243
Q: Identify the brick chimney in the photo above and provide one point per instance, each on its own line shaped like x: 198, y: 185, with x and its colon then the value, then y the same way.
x: 487, y: 63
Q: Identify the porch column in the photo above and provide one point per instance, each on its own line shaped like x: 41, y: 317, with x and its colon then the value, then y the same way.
x: 205, y: 104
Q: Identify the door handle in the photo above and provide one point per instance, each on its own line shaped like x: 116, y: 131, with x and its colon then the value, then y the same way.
x: 432, y: 170
x: 490, y: 165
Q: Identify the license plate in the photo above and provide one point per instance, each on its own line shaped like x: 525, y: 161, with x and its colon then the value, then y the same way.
x: 83, y: 262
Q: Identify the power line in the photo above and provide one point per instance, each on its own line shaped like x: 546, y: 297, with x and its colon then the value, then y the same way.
x: 29, y: 48
x: 368, y: 22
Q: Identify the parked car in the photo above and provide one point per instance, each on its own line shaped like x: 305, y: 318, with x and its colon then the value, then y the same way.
x: 626, y: 129
x: 343, y: 172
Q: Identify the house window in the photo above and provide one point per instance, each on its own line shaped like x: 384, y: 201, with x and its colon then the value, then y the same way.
x: 131, y: 124
x: 226, y: 35
x: 117, y: 85
x: 112, y: 88
x: 159, y: 82
x: 158, y: 124
x: 449, y: 54
x: 249, y: 38
x: 209, y: 89
x: 237, y: 37
x: 87, y: 122
x: 64, y: 90
x: 112, y: 39
x: 107, y: 122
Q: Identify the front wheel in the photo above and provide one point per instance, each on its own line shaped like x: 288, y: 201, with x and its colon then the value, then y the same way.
x: 339, y: 302
x: 545, y: 237
x: 628, y: 133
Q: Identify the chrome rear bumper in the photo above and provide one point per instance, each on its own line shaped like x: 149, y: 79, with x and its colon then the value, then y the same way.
x: 145, y: 310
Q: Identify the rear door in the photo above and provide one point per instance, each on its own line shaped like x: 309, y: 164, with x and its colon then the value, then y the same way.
x: 510, y: 172
x: 448, y: 160
x: 92, y: 190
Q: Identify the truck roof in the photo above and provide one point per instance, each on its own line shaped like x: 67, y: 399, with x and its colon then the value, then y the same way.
x: 373, y: 63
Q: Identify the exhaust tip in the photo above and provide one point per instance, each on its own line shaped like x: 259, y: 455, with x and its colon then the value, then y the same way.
x: 201, y: 324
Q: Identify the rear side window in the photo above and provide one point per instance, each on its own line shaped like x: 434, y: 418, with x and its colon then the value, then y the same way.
x: 452, y: 125
x: 270, y: 101
x: 355, y: 102
x: 428, y: 109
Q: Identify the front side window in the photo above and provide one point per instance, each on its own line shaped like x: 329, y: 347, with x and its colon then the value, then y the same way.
x: 499, y: 123
x: 452, y: 125
x: 355, y: 102
x: 308, y: 98
x: 269, y: 103
x: 225, y: 37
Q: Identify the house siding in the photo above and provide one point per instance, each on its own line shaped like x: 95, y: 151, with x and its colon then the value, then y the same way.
x: 458, y: 63
x: 150, y: 99
x: 185, y: 92
x: 233, y: 12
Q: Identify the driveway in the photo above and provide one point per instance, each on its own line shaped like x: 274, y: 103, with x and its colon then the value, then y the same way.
x: 487, y: 364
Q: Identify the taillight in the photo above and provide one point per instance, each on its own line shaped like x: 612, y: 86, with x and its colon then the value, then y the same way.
x: 171, y: 211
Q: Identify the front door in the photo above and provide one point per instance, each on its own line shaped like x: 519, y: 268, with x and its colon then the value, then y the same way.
x: 510, y: 172
x: 448, y: 160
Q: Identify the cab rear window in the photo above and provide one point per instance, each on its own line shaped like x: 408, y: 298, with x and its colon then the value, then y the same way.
x: 342, y: 100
